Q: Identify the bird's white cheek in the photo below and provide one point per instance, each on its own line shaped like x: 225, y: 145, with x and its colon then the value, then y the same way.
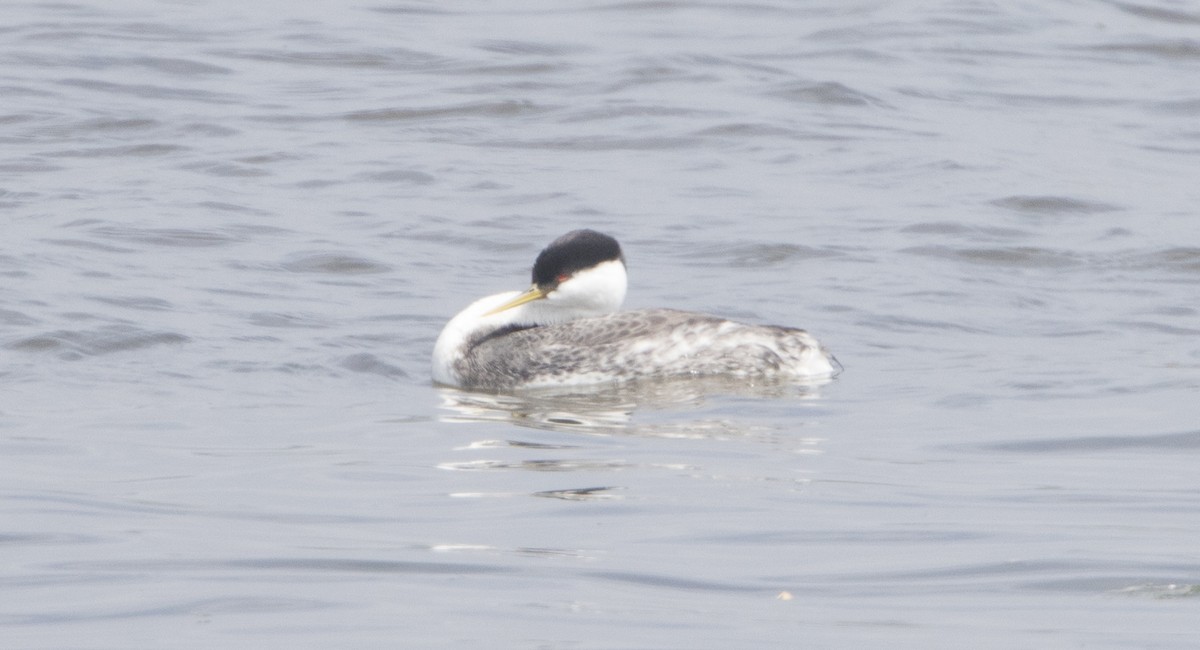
x: 600, y: 289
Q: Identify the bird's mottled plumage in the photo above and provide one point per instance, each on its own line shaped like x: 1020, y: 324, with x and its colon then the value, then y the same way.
x: 565, y: 331
x: 633, y: 344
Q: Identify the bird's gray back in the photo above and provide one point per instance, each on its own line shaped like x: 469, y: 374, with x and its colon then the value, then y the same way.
x: 631, y: 345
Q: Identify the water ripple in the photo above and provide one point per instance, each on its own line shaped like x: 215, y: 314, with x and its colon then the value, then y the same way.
x: 1183, y: 441
x: 333, y: 264
x: 399, y: 59
x: 123, y: 151
x: 150, y: 91
x: 1161, y: 14
x: 366, y: 362
x: 169, y: 237
x: 1053, y: 205
x: 828, y: 93
x: 74, y: 344
x: 1175, y: 50
x: 759, y: 255
x: 539, y: 465
x: 506, y: 108
x: 202, y: 608
x: 581, y: 494
x: 1013, y: 256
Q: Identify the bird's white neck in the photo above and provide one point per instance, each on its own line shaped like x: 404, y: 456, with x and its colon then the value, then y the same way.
x: 592, y: 292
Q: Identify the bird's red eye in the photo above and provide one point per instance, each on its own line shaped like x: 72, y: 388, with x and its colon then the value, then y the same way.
x: 561, y: 278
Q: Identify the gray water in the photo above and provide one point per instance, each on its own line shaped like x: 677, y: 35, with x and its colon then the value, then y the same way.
x: 232, y: 232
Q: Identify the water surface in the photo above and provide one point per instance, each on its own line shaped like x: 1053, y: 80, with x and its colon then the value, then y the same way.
x: 234, y: 230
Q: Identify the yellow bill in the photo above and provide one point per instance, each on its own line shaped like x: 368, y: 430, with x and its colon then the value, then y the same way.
x: 533, y: 293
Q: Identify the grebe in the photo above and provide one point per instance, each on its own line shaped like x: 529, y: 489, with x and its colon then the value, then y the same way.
x: 565, y: 330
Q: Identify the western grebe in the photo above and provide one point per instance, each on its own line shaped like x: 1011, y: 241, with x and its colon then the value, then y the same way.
x: 566, y: 330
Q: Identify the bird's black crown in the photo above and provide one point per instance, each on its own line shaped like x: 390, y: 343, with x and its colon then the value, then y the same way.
x: 573, y: 252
